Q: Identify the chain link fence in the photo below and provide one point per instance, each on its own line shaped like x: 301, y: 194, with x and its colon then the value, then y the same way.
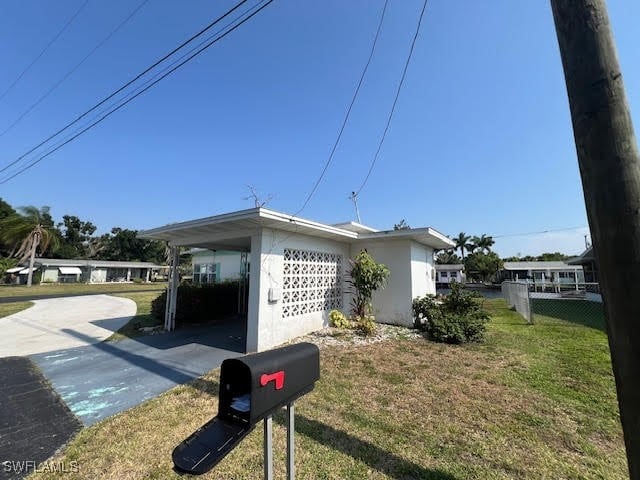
x: 581, y: 306
x: 517, y: 296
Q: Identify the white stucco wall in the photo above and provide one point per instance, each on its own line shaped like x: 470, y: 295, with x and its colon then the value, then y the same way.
x: 266, y: 326
x: 229, y: 262
x: 98, y: 275
x: 50, y: 274
x: 393, y: 303
x: 422, y: 271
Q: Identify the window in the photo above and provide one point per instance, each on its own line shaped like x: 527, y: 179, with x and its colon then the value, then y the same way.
x: 453, y: 275
x: 205, y: 272
x: 444, y: 275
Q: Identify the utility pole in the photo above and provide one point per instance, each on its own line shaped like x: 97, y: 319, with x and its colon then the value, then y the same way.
x: 610, y: 171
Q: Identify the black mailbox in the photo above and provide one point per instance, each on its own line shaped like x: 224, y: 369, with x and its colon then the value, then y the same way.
x: 251, y: 388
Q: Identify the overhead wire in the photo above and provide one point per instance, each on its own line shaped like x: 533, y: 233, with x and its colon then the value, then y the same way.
x: 127, y: 84
x: 44, y: 50
x: 395, y: 100
x: 66, y: 76
x: 348, y: 113
x: 140, y: 92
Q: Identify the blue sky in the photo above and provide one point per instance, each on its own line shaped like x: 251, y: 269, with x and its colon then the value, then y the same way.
x: 481, y: 140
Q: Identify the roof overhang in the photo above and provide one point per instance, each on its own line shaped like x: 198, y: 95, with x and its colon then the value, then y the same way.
x: 425, y: 236
x: 233, y: 231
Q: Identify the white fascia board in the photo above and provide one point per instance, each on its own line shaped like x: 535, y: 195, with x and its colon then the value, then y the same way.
x: 415, y: 234
x: 303, y: 222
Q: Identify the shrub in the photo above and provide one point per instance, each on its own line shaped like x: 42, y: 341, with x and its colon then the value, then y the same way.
x: 366, y: 276
x: 458, y: 319
x: 365, y: 326
x: 338, y: 319
x: 137, y: 280
x: 200, y: 303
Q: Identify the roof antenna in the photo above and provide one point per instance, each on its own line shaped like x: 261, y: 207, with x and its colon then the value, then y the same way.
x: 354, y: 197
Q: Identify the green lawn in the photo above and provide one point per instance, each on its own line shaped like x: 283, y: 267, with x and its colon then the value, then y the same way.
x: 143, y: 316
x: 18, y: 291
x: 535, y: 402
x: 14, y: 307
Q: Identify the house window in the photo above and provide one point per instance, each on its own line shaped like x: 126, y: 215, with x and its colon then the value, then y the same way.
x: 444, y: 275
x: 205, y: 272
x: 312, y: 282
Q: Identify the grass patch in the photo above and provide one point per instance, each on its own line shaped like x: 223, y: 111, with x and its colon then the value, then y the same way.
x: 532, y: 402
x: 11, y: 308
x: 54, y: 289
x: 143, y: 316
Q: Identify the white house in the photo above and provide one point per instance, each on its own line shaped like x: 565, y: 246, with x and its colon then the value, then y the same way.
x: 543, y: 272
x: 59, y: 270
x: 450, y: 273
x: 209, y: 266
x: 299, y: 268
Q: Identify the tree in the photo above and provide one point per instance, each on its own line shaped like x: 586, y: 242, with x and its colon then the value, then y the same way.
x: 482, y: 266
x: 551, y: 257
x: 366, y: 276
x: 485, y: 242
x: 462, y: 242
x: 75, y: 237
x: 403, y: 225
x: 6, y: 210
x: 123, y: 244
x: 31, y: 228
x: 448, y: 257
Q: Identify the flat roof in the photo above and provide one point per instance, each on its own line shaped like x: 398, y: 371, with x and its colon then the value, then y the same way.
x: 233, y: 231
x: 449, y: 266
x: 74, y: 262
x: 539, y: 266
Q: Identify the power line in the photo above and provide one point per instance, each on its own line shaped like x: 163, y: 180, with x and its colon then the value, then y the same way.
x: 395, y: 100
x: 133, y: 80
x: 47, y: 46
x: 539, y: 232
x: 346, y: 117
x: 73, y: 69
x: 90, y: 126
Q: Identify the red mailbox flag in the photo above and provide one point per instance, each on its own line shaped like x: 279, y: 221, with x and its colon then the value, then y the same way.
x: 277, y: 377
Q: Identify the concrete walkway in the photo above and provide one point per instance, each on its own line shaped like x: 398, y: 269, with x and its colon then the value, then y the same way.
x: 99, y: 380
x: 46, y: 326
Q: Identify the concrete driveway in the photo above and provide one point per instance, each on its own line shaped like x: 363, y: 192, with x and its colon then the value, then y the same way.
x: 45, y: 326
x: 101, y: 379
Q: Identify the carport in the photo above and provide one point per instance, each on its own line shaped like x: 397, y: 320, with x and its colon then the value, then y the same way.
x: 259, y: 234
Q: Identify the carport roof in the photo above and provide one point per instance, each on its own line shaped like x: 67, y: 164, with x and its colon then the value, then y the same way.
x: 234, y: 230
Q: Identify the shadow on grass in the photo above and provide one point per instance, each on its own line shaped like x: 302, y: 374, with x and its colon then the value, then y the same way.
x: 366, y: 452
x: 580, y: 312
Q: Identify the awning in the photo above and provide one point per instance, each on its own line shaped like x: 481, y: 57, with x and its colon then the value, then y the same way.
x: 13, y: 270
x: 25, y: 271
x: 70, y: 270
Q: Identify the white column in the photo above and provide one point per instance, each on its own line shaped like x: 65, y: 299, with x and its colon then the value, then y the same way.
x: 253, y: 310
x: 128, y: 274
x: 172, y: 291
x: 147, y: 277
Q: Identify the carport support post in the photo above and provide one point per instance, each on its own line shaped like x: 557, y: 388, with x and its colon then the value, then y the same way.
x: 172, y: 291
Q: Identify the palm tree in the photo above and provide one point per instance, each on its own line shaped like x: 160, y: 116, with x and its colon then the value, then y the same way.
x: 462, y: 242
x: 29, y: 229
x: 484, y: 243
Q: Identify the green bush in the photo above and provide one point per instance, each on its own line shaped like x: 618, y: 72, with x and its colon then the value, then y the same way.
x: 338, y: 319
x: 137, y: 280
x: 200, y: 303
x: 365, y: 325
x: 459, y: 318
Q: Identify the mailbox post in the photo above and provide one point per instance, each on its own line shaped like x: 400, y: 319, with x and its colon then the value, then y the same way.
x: 251, y: 389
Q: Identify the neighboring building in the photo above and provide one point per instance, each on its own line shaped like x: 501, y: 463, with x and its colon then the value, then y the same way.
x: 55, y: 270
x: 446, y: 274
x: 210, y: 266
x: 587, y: 261
x: 299, y: 268
x: 543, y: 272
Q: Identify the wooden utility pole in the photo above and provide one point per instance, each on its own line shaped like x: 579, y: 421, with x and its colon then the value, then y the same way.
x: 610, y: 170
